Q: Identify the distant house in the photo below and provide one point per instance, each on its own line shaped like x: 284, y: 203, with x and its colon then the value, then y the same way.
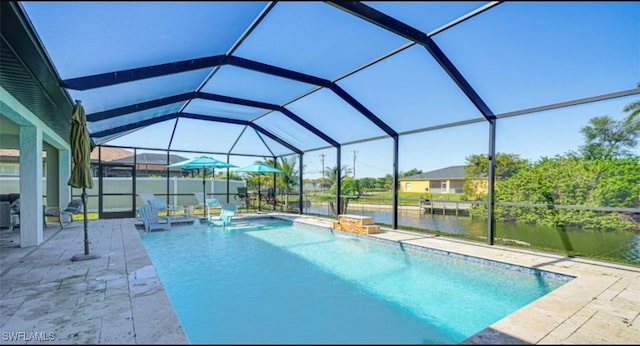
x: 445, y: 180
x: 9, y: 162
x: 148, y: 164
x: 117, y: 163
x: 109, y: 154
x: 10, y: 159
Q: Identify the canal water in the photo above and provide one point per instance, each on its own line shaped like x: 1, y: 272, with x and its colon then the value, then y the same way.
x: 615, y: 245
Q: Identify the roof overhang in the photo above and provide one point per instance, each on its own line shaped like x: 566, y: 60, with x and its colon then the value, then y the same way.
x: 26, y: 72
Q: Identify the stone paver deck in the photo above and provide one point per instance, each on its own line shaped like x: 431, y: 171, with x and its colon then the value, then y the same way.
x: 114, y: 299
x: 118, y: 298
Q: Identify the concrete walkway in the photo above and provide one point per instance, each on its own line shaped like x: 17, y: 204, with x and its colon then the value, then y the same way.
x: 118, y: 298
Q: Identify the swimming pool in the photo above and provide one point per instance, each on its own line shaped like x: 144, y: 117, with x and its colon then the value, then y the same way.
x: 274, y: 281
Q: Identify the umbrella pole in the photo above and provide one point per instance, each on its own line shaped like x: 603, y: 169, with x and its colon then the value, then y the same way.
x: 204, y: 193
x: 86, y: 255
x: 259, y: 193
x: 86, y: 222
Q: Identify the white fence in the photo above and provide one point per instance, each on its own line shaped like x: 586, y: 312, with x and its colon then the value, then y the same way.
x: 180, y: 190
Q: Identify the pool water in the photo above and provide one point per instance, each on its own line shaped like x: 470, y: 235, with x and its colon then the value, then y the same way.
x: 276, y: 282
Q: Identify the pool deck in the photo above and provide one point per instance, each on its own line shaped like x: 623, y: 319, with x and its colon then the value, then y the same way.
x: 119, y: 299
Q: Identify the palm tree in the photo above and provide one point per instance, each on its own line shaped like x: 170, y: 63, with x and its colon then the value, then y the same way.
x: 253, y: 178
x: 289, y: 179
x: 633, y: 108
x: 348, y: 186
x: 232, y: 175
x: 332, y: 174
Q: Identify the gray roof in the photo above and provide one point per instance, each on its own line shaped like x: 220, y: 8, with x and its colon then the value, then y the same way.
x: 451, y: 172
x: 152, y: 158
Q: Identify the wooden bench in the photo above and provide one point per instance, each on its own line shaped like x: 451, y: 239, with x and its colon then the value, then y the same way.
x: 356, y: 224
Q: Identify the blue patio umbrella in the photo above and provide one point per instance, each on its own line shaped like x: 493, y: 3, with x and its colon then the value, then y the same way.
x: 259, y: 167
x: 202, y: 162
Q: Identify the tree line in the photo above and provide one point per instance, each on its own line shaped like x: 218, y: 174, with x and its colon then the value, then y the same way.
x: 603, y: 172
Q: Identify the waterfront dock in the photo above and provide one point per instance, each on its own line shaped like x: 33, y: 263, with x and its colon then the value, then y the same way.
x: 446, y: 207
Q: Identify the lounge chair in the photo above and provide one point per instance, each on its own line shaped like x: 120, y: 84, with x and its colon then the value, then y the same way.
x: 158, y: 203
x: 151, y: 220
x: 146, y: 197
x: 270, y: 197
x: 64, y: 215
x: 210, y: 202
x: 242, y: 197
x: 227, y: 213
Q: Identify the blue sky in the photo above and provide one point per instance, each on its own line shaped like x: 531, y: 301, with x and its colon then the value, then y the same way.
x: 516, y: 56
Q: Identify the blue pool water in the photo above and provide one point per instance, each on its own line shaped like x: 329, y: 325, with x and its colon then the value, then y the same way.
x: 276, y: 282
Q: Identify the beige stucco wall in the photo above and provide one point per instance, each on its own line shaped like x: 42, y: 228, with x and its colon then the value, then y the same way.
x: 452, y: 185
x: 415, y: 185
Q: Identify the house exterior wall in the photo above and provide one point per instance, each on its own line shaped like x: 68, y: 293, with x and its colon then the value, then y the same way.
x: 436, y: 186
x: 413, y: 185
x: 456, y: 186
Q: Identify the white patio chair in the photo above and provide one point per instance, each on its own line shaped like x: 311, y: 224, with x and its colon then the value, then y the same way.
x: 65, y: 214
x: 210, y: 202
x: 146, y: 197
x: 227, y: 212
x: 158, y: 203
x: 151, y: 220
